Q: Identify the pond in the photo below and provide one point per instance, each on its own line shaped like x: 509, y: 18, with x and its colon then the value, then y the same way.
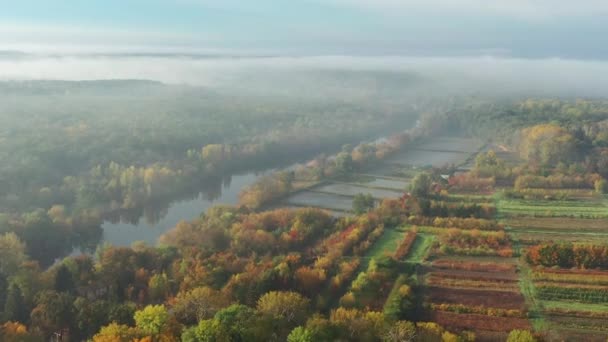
x: 344, y: 189
x: 320, y: 200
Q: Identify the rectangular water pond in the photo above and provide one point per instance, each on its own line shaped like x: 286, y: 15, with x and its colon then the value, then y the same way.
x: 393, y: 184
x: 451, y: 144
x: 320, y: 200
x: 432, y: 158
x: 352, y: 190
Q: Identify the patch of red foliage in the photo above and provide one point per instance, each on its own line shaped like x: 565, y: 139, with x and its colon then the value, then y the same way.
x: 406, y: 245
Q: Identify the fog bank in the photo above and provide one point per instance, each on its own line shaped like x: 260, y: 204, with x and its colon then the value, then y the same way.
x: 454, y: 74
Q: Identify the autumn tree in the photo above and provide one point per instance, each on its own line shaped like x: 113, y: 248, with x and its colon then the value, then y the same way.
x: 53, y: 312
x: 290, y: 307
x: 547, y: 144
x: 601, y: 186
x: 521, y: 336
x: 152, y: 319
x: 17, y: 332
x: 198, y: 304
x: 116, y: 332
x: 400, y: 331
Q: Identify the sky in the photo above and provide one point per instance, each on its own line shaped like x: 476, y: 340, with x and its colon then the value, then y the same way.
x: 515, y: 28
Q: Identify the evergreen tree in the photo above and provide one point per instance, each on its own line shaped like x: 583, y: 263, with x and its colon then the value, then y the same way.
x: 63, y: 280
x: 3, y: 288
x: 14, y: 309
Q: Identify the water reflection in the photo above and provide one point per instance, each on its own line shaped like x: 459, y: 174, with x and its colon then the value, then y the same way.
x: 124, y: 227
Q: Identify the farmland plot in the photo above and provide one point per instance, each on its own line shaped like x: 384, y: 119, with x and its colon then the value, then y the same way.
x: 383, y: 183
x: 432, y: 158
x: 451, y: 144
x: 344, y: 189
x: 319, y: 200
x: 570, y: 209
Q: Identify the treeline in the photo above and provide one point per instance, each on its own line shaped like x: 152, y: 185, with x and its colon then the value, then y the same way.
x: 568, y: 255
x: 475, y: 243
x: 350, y: 159
x: 461, y: 209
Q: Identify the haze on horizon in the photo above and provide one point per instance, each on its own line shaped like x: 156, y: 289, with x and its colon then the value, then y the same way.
x: 472, y: 45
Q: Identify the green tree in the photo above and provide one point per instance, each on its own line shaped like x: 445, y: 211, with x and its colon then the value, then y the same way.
x: 158, y: 287
x: 152, y: 319
x: 208, y: 330
x: 344, y: 163
x: 300, y: 334
x: 362, y: 203
x: 90, y: 316
x: 421, y: 185
x: 12, y: 253
x: 521, y: 336
x: 237, y: 321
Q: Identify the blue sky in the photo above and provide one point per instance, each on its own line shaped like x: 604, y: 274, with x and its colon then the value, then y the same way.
x: 523, y: 28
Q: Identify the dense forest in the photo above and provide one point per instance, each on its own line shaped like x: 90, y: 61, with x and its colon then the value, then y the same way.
x: 106, y: 149
x: 243, y: 274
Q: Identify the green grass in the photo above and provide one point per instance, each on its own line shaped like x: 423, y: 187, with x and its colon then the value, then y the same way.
x: 551, y: 304
x: 421, y: 248
x: 388, y: 242
x: 535, y: 307
x: 541, y: 208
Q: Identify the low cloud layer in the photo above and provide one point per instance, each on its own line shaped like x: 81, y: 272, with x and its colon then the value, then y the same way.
x: 463, y: 74
x: 528, y: 9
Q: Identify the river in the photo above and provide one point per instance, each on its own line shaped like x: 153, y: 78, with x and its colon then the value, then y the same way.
x: 149, y: 230
x: 149, y: 224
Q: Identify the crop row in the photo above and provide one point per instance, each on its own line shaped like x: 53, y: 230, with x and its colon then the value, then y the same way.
x: 577, y: 278
x: 473, y: 266
x: 479, y: 310
x: 479, y: 322
x: 550, y: 292
x: 405, y: 245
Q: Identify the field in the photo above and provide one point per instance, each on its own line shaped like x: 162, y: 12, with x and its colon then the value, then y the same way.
x: 568, y: 304
x: 477, y: 278
x: 349, y: 190
x: 386, y: 244
x: 540, y: 208
x: 320, y: 200
x: 425, y: 158
x: 385, y: 183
